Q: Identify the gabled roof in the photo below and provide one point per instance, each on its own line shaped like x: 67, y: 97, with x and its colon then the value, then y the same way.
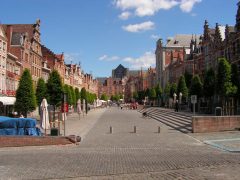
x: 120, y: 66
x: 180, y: 40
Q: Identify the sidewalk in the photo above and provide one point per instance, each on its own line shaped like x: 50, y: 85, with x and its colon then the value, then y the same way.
x: 81, y: 125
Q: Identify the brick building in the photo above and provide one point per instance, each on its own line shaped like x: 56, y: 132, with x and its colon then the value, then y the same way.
x: 3, y: 60
x: 170, y: 58
x: 25, y: 44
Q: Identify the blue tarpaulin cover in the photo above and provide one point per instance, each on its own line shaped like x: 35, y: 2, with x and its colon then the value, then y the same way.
x: 18, y: 126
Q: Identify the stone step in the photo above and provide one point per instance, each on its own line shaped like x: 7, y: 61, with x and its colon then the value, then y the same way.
x: 175, y: 116
x: 174, y: 121
x: 172, y: 125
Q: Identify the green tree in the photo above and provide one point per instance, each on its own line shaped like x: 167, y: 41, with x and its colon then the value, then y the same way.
x: 25, y: 97
x: 182, y: 87
x: 152, y: 94
x: 235, y: 79
x: 224, y: 84
x: 120, y: 96
x: 167, y: 90
x: 83, y: 93
x: 188, y: 79
x: 135, y: 95
x: 55, y: 89
x: 173, y: 89
x: 67, y: 90
x: 104, y: 97
x: 209, y: 83
x: 73, y: 96
x: 196, y: 86
x: 158, y: 90
x: 147, y: 92
x: 77, y: 93
x: 41, y: 91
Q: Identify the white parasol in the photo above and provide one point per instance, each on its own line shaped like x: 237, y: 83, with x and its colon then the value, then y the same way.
x: 44, y: 115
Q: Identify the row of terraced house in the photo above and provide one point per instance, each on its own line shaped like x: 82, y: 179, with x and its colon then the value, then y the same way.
x: 196, y: 53
x: 21, y: 47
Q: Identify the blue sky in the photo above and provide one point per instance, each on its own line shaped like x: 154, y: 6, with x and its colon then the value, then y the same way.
x: 104, y: 33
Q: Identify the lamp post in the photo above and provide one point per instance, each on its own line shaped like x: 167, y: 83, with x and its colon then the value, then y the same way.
x: 180, y: 100
x: 174, y: 98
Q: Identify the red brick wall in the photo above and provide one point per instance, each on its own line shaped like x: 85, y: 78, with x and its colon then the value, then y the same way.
x: 201, y: 124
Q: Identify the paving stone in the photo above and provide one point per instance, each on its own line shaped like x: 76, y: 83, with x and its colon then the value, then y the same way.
x: 122, y: 154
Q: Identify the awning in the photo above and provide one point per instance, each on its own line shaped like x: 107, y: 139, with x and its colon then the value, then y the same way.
x: 7, y: 100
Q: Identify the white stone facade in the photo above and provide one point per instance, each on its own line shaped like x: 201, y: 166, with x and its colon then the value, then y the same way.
x: 3, y: 60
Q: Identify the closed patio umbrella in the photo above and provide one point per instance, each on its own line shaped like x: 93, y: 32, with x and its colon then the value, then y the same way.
x: 44, y: 115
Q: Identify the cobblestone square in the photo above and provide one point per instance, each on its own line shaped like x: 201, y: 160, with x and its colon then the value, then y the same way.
x: 123, y: 154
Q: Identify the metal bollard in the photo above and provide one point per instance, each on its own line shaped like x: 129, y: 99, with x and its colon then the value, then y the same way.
x: 134, y: 129
x: 159, y: 129
x: 110, y: 130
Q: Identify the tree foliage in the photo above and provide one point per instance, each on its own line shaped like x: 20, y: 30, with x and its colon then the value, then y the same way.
x: 182, y: 87
x: 77, y: 93
x: 25, y: 97
x: 73, y: 95
x: 196, y: 86
x: 188, y: 79
x: 135, y: 95
x: 83, y: 93
x: 104, y: 97
x: 158, y: 90
x: 235, y: 78
x: 209, y: 83
x: 54, y: 88
x: 141, y: 95
x: 173, y: 89
x: 167, y: 90
x: 67, y: 90
x: 224, y: 84
x: 41, y: 91
x: 152, y: 94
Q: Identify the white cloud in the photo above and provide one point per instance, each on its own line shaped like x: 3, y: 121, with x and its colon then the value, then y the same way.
x: 145, y: 61
x: 187, y: 5
x: 103, y: 57
x: 155, y: 37
x: 71, y: 57
x: 108, y: 58
x: 148, y: 25
x: 150, y: 7
x: 125, y: 15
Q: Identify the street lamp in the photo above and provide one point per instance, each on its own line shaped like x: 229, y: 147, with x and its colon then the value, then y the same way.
x: 180, y: 97
x: 180, y: 100
x: 174, y: 97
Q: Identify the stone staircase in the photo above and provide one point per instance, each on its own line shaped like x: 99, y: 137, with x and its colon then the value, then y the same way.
x: 180, y: 121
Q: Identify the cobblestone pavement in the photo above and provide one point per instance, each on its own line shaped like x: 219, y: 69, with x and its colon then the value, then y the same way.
x: 123, y: 154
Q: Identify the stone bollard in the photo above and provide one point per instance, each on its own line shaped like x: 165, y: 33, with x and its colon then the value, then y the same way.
x: 159, y: 129
x: 134, y: 129
x: 110, y: 130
